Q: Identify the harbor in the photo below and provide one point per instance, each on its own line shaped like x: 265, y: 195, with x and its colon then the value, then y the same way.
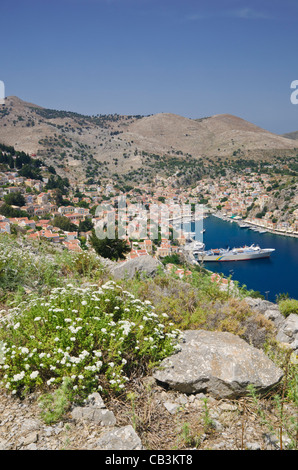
x: 257, y: 227
x: 271, y: 276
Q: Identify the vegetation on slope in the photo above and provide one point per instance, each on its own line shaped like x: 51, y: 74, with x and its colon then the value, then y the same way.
x: 67, y: 329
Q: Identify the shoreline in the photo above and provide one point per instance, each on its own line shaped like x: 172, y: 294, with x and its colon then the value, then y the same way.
x: 251, y: 226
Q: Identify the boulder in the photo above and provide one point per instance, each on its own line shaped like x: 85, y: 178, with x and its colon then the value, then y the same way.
x: 144, y: 265
x: 124, y: 438
x: 94, y: 411
x: 218, y: 363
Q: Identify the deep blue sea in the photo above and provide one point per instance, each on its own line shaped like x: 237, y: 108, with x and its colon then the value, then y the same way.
x: 275, y: 275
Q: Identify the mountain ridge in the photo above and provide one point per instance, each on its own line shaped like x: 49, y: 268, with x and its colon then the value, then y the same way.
x: 81, y: 146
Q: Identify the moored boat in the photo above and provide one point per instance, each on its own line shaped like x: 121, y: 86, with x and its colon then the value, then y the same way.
x: 235, y: 254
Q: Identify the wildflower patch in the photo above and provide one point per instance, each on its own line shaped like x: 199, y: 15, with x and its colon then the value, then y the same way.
x: 95, y: 336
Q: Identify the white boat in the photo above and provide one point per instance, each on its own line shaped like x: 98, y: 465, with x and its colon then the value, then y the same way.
x: 235, y: 254
x: 195, y: 247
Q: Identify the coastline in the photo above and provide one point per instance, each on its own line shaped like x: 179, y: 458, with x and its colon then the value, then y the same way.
x: 253, y: 226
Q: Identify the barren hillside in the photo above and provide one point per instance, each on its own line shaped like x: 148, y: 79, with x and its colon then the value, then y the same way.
x: 83, y: 147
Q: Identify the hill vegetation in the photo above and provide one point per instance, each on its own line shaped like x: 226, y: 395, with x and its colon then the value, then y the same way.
x: 68, y: 327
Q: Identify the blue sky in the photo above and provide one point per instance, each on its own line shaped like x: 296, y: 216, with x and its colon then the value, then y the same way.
x: 194, y: 58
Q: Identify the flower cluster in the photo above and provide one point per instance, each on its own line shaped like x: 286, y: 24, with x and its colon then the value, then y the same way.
x: 93, y: 335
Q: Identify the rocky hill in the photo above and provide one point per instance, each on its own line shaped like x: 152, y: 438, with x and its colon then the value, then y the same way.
x: 291, y: 135
x: 91, y: 147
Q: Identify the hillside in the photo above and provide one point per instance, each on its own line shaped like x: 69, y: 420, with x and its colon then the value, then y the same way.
x: 57, y: 300
x: 291, y: 135
x: 92, y: 147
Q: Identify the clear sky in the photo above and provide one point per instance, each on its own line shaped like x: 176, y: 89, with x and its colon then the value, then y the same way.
x: 194, y: 58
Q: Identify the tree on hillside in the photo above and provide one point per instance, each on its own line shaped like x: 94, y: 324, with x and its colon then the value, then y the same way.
x: 85, y: 225
x: 113, y: 249
x: 15, y: 199
x: 64, y: 224
x: 9, y: 211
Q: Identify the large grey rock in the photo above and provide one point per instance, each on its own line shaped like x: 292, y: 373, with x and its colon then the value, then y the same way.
x: 217, y: 363
x: 124, y: 438
x: 144, y: 265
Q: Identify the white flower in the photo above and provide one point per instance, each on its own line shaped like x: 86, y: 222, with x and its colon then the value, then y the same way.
x: 34, y: 374
x: 24, y: 350
x: 37, y: 318
x: 84, y: 302
x: 16, y: 326
x: 19, y: 376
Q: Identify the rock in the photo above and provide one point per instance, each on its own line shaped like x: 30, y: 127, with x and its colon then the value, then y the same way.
x: 260, y: 305
x: 144, y: 265
x: 98, y: 416
x: 275, y: 316
x: 94, y: 411
x: 31, y: 438
x: 288, y: 333
x: 218, y: 363
x: 124, y: 438
x: 228, y: 407
x: 171, y: 407
x: 252, y: 446
x: 31, y: 425
x: 95, y: 400
x: 3, y: 444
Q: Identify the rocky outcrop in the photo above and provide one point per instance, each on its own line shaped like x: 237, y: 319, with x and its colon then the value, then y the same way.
x: 288, y: 331
x: 218, y: 363
x: 143, y: 265
x: 286, y: 328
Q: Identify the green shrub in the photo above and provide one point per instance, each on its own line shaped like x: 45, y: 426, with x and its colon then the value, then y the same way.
x: 288, y: 306
x: 54, y: 405
x: 96, y: 336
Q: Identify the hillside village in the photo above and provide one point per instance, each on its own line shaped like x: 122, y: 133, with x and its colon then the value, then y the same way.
x: 248, y: 197
x: 62, y: 214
